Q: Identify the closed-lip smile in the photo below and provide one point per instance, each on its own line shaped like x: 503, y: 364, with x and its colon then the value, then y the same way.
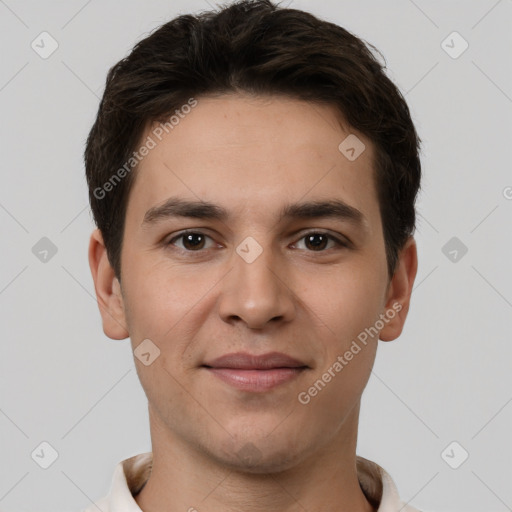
x: 255, y: 373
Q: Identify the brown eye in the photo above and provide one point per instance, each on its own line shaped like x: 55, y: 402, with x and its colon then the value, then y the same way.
x: 191, y: 241
x: 318, y: 241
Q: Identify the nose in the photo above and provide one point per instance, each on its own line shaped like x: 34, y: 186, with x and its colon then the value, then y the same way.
x: 257, y: 292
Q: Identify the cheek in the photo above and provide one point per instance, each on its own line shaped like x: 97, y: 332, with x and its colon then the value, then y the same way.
x: 159, y: 296
x: 168, y: 306
x: 346, y: 302
x: 335, y: 390
x: 354, y: 306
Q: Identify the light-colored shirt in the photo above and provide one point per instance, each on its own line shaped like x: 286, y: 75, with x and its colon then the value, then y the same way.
x: 131, y: 474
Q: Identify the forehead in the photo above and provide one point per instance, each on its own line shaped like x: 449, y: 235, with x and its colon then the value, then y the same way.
x: 250, y: 153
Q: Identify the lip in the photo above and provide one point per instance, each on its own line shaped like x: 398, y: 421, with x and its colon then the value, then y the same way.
x: 245, y: 361
x: 255, y: 373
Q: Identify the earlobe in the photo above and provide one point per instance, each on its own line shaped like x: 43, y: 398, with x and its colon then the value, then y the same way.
x: 399, y: 291
x: 108, y: 290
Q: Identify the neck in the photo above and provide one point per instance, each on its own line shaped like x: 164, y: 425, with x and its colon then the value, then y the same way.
x: 186, y: 478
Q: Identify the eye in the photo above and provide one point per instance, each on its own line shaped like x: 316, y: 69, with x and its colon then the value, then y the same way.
x: 317, y: 241
x: 193, y: 241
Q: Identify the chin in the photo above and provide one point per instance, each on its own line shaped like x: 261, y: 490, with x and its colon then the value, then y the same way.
x: 259, y: 455
x: 253, y: 461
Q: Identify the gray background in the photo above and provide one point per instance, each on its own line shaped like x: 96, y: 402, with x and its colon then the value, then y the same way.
x: 447, y: 378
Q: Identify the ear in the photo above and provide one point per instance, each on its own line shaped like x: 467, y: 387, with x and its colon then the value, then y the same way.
x: 108, y: 289
x: 399, y: 291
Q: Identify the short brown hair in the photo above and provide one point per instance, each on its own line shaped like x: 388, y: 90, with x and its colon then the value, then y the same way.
x: 257, y: 47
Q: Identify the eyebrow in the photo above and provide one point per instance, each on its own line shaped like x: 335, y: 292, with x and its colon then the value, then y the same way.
x: 177, y: 207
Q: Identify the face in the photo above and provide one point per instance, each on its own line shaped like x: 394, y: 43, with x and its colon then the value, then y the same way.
x: 284, y: 253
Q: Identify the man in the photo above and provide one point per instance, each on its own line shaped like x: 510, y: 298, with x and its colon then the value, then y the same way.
x: 253, y: 174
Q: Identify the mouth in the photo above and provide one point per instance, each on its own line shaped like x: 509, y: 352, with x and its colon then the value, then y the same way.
x: 255, y: 373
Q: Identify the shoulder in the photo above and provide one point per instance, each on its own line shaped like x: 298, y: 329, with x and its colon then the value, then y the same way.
x: 129, y: 477
x: 379, y: 487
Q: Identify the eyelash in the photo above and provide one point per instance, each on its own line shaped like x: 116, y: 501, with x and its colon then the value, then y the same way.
x: 188, y: 232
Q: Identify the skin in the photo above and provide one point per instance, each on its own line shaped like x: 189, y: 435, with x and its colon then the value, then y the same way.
x: 252, y: 155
